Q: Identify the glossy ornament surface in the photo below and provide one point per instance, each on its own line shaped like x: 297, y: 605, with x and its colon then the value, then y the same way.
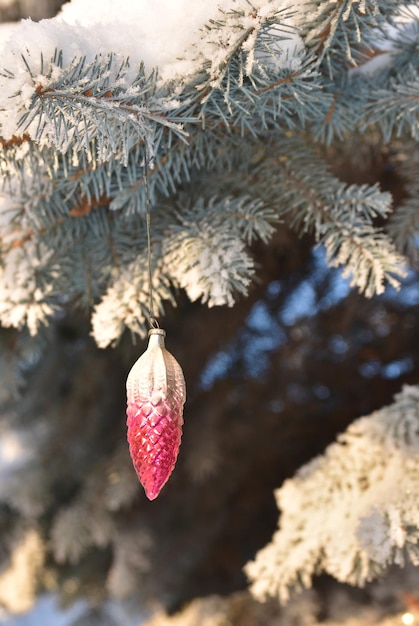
x: 155, y: 397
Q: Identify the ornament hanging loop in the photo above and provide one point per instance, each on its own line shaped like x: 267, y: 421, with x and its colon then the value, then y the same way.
x: 154, y: 324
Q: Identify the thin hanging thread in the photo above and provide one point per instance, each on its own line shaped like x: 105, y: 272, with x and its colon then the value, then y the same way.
x: 151, y: 317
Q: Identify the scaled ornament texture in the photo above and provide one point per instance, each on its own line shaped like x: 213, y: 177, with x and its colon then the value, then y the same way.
x: 156, y: 394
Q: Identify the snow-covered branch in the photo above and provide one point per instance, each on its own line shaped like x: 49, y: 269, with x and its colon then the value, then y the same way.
x: 352, y: 511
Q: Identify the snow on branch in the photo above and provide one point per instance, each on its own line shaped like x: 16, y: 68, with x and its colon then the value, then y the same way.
x: 91, y: 106
x: 236, y: 28
x: 18, y: 580
x: 206, y: 253
x: 126, y: 303
x: 350, y: 512
x: 26, y: 288
x: 210, y: 265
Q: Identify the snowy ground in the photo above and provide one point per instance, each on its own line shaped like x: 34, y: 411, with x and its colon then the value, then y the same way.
x: 47, y: 612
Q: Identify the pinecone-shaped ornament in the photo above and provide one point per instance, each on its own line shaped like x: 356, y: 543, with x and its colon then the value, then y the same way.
x: 155, y: 397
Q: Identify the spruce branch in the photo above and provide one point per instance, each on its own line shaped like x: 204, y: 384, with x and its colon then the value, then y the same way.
x: 132, y: 559
x: 73, y: 105
x: 17, y: 351
x: 83, y: 524
x: 76, y: 171
x: 403, y: 225
x: 125, y: 303
x: 205, y: 252
x: 245, y: 27
x: 340, y: 217
x: 344, y: 512
x: 213, y: 263
x: 25, y: 285
x: 270, y: 80
x: 121, y: 481
x: 394, y: 106
x: 339, y: 33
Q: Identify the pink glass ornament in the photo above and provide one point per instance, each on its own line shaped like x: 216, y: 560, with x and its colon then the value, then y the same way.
x: 155, y: 397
